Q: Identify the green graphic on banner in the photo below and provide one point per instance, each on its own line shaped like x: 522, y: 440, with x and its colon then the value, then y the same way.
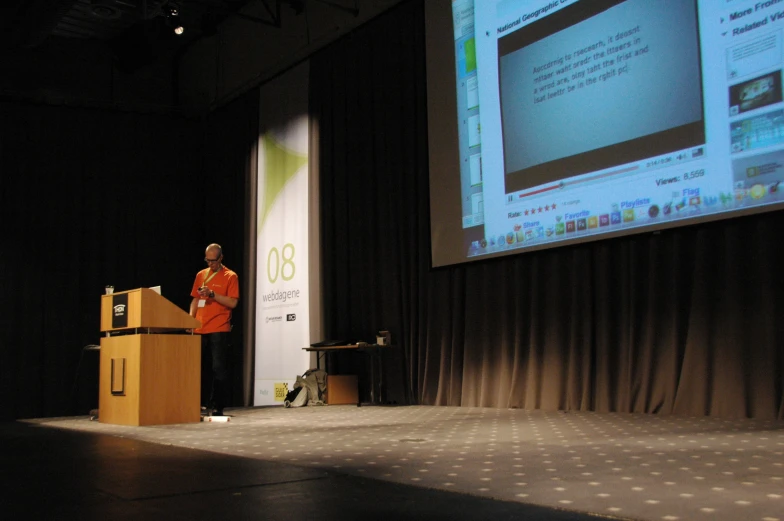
x: 280, y: 165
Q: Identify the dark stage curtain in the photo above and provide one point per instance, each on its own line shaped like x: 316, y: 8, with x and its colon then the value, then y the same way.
x: 229, y: 152
x: 687, y: 321
x: 94, y: 197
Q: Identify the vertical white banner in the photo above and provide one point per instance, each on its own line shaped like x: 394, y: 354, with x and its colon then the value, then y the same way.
x: 282, y: 288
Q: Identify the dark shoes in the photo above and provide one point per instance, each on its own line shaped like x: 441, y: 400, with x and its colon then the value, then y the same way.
x: 211, y: 410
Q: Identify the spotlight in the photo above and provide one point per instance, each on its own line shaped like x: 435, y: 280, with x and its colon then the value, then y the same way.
x: 172, y: 15
x: 172, y: 9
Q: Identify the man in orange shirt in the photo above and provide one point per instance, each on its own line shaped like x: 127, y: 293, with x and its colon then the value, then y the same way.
x: 215, y: 293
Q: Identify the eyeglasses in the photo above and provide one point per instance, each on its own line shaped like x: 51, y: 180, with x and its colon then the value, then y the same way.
x: 211, y: 260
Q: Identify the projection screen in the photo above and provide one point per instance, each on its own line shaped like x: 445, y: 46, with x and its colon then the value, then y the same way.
x: 552, y: 122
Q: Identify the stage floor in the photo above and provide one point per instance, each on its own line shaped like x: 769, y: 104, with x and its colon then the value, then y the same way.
x: 627, y: 466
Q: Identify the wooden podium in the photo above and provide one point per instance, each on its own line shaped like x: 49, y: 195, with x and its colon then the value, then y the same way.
x: 147, y: 377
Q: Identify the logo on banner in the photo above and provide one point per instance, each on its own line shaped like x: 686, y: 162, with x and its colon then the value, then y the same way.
x: 291, y: 317
x: 281, y: 390
x: 274, y: 319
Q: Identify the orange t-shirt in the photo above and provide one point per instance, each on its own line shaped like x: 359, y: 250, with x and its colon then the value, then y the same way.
x: 215, y: 317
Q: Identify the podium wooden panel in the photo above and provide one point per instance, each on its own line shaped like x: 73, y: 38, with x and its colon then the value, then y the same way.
x: 162, y: 379
x: 147, y: 378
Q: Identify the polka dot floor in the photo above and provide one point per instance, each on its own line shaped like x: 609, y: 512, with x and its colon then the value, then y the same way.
x: 626, y: 466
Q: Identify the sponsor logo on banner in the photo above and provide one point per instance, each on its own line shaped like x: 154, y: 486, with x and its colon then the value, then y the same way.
x: 291, y: 317
x: 271, y: 392
x: 281, y: 390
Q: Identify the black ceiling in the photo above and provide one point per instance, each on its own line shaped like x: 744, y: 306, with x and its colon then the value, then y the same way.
x: 135, y: 29
x: 32, y: 22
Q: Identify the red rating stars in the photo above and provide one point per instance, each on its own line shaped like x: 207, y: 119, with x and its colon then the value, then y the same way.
x: 534, y: 211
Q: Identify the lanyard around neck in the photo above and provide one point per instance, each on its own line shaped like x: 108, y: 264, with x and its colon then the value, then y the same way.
x: 207, y: 279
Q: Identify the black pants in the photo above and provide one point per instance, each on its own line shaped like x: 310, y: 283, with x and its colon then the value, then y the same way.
x: 215, y: 370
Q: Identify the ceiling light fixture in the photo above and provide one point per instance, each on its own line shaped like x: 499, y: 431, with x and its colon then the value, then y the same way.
x: 172, y: 14
x: 172, y: 9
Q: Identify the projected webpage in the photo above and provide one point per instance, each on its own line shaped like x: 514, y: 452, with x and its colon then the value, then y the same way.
x: 579, y: 117
x: 468, y: 110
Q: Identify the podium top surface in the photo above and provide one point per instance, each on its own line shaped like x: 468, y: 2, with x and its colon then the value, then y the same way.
x: 142, y: 308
